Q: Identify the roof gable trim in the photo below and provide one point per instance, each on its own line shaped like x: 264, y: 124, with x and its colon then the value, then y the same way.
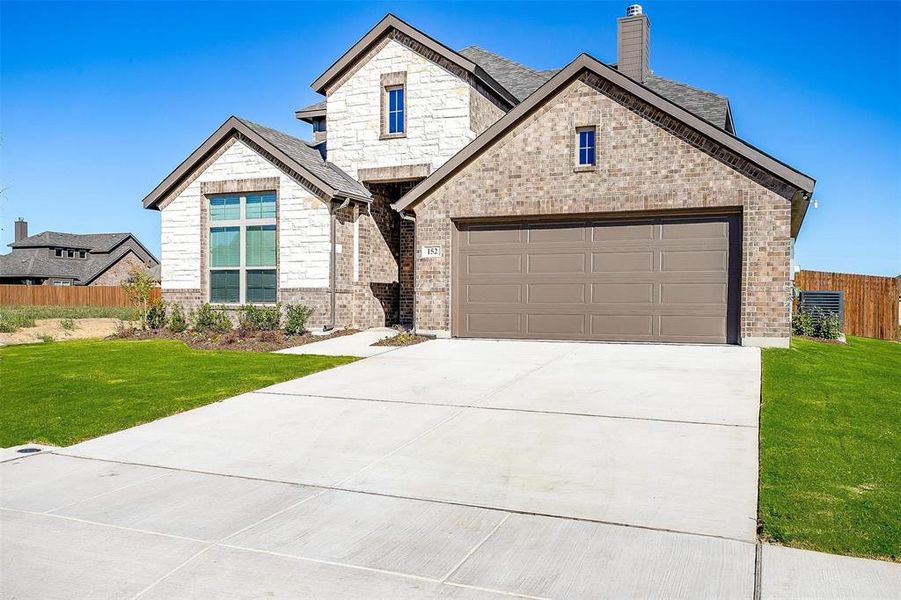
x: 583, y: 63
x: 234, y: 127
x: 383, y: 28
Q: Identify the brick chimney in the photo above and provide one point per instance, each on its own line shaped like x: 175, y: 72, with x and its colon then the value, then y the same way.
x: 633, y: 33
x: 21, y: 229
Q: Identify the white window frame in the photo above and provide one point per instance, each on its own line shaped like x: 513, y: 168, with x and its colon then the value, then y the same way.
x: 242, y: 222
x: 580, y: 147
x: 403, y: 111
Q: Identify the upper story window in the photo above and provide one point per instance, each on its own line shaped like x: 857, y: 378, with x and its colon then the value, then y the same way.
x: 242, y: 248
x: 394, y: 105
x: 586, y: 146
x: 396, y: 109
x: 318, y: 124
x: 69, y: 253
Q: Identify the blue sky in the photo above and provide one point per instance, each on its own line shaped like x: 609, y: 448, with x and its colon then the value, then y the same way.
x: 100, y: 101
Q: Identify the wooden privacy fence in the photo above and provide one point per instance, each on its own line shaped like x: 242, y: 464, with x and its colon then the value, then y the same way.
x: 871, y: 303
x: 88, y: 295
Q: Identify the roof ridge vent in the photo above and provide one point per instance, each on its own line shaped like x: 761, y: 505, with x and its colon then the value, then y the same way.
x: 633, y: 10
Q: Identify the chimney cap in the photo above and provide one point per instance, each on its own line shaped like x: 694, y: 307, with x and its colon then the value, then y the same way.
x: 633, y: 10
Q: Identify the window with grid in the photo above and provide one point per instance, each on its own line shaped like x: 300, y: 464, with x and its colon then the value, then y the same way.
x: 586, y: 138
x: 395, y: 109
x: 243, y: 253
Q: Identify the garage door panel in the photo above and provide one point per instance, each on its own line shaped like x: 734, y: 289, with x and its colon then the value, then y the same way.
x: 694, y: 231
x: 622, y: 326
x: 556, y: 263
x: 481, y: 293
x: 606, y: 232
x: 495, y: 324
x: 556, y: 235
x: 663, y: 279
x: 556, y: 325
x: 687, y: 326
x: 555, y: 293
x: 622, y: 262
x: 493, y: 236
x: 617, y: 293
x: 487, y: 264
x: 693, y: 293
x: 694, y: 260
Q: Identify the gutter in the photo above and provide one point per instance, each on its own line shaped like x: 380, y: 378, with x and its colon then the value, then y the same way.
x: 412, y: 218
x: 332, y: 260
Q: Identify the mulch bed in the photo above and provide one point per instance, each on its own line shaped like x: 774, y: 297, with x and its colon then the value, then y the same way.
x: 252, y: 341
x: 821, y: 340
x: 403, y: 339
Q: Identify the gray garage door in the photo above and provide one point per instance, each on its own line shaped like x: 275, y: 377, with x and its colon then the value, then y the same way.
x: 661, y: 280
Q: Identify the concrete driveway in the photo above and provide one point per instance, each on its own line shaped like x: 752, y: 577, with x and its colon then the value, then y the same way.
x: 452, y: 469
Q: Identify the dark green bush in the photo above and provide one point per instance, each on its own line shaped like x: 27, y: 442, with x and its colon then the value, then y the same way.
x: 802, y: 323
x: 208, y: 319
x: 156, y: 315
x: 296, y: 317
x: 177, y: 321
x: 829, y: 327
x: 260, y: 318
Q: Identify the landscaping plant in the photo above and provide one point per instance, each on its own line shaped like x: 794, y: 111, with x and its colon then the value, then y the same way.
x: 138, y: 287
x: 177, y: 321
x: 68, y: 324
x: 156, y: 315
x: 259, y: 318
x: 296, y: 317
x: 208, y: 319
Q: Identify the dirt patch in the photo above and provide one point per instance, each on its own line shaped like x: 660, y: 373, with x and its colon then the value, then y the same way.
x: 402, y: 339
x: 55, y: 330
x: 252, y: 341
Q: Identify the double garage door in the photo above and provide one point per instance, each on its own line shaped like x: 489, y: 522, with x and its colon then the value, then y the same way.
x: 664, y: 279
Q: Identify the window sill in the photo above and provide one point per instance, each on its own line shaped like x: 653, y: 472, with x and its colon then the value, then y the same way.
x: 392, y: 136
x: 585, y: 168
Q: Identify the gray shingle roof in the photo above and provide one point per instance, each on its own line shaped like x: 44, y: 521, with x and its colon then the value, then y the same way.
x: 33, y: 256
x: 707, y: 105
x: 96, y: 242
x: 308, y: 155
x: 519, y: 79
x: 315, y: 107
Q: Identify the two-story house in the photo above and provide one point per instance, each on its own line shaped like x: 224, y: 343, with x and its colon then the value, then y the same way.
x: 467, y: 195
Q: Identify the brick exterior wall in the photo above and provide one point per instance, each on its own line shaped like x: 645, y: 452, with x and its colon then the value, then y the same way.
x: 642, y: 166
x: 118, y: 273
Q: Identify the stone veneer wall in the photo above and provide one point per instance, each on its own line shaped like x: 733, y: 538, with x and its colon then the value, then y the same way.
x: 641, y: 167
x: 437, y: 106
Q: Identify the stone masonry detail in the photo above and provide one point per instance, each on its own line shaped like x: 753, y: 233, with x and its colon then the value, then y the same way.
x: 641, y: 166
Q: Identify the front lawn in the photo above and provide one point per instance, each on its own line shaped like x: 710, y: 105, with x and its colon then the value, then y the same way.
x: 61, y: 393
x: 830, y: 447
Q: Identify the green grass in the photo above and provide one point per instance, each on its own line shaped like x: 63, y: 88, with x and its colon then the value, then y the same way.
x: 65, y: 392
x: 16, y: 317
x: 830, y: 447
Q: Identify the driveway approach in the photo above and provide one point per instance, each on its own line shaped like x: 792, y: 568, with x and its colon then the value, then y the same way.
x: 452, y: 469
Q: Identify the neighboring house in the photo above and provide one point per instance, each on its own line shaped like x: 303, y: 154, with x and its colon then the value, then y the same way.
x: 468, y: 195
x: 52, y: 258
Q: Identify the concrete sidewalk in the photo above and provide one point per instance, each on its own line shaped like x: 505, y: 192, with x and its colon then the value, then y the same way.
x: 356, y: 344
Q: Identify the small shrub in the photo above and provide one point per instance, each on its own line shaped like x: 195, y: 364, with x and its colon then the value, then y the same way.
x: 803, y: 324
x: 138, y: 288
x: 259, y: 318
x: 124, y: 329
x: 45, y: 337
x: 177, y: 321
x: 208, y: 319
x: 296, y: 317
x: 68, y: 324
x: 156, y: 315
x: 829, y: 327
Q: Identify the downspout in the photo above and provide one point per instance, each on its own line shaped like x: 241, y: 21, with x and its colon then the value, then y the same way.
x: 332, y: 260
x: 412, y: 219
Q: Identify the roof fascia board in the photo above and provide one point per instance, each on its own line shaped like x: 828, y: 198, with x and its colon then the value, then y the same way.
x: 392, y: 22
x: 233, y: 125
x: 555, y: 83
x: 308, y: 115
